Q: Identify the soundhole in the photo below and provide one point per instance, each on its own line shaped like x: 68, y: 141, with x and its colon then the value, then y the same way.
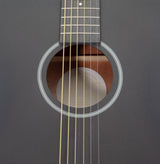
x: 94, y: 70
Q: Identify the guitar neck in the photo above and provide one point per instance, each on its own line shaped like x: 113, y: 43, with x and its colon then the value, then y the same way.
x: 80, y: 21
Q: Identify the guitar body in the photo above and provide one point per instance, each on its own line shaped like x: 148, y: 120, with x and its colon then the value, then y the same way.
x: 128, y: 127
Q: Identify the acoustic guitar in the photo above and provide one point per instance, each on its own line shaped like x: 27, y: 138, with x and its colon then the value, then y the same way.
x: 79, y: 82
x: 80, y: 77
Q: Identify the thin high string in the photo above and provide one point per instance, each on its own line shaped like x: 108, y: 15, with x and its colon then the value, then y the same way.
x: 90, y: 92
x: 62, y: 86
x: 76, y: 90
x: 69, y: 86
x: 84, y: 51
x: 98, y: 124
x: 98, y: 133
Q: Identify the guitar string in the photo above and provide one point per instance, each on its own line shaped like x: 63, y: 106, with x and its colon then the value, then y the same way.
x: 62, y: 86
x: 76, y: 92
x: 98, y: 123
x: 84, y: 51
x: 69, y: 86
x: 90, y: 92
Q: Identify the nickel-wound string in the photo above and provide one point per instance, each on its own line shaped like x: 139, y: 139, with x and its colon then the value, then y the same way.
x: 69, y: 85
x: 84, y: 51
x: 62, y: 85
x: 90, y: 86
x: 76, y: 89
x: 98, y: 123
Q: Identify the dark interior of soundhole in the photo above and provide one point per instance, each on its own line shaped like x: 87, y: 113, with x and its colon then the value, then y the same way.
x: 54, y: 71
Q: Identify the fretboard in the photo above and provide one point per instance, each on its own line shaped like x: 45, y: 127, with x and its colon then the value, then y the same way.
x: 80, y: 23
